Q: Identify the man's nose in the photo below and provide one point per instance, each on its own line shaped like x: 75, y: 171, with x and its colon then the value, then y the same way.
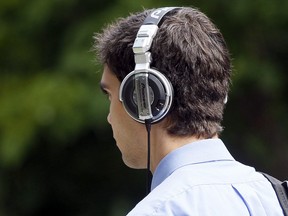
x: 109, y: 118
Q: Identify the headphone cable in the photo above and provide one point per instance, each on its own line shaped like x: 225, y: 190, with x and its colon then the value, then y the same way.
x: 149, y: 174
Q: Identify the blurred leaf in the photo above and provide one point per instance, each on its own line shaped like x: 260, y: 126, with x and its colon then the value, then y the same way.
x: 57, y: 103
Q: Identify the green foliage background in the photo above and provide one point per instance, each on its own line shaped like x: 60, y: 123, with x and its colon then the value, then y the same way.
x: 57, y: 155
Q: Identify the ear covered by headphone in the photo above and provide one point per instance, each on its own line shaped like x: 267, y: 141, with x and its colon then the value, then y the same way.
x: 146, y: 93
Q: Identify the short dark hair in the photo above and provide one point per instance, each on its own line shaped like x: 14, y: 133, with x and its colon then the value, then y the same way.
x: 191, y: 52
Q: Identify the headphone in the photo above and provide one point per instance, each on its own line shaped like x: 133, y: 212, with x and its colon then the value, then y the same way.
x: 146, y: 93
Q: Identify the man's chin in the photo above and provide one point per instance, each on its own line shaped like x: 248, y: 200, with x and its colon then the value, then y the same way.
x: 133, y: 164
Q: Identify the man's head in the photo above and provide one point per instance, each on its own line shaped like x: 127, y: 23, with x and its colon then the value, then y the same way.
x: 191, y: 52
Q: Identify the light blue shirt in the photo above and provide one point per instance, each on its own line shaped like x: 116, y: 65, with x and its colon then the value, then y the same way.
x: 203, y: 179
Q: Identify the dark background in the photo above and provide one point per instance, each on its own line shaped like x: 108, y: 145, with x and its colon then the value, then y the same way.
x: 57, y: 155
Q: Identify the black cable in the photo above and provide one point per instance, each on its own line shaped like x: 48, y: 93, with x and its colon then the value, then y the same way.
x: 149, y: 174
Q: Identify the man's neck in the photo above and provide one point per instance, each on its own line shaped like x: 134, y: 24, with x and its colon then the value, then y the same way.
x: 162, y: 144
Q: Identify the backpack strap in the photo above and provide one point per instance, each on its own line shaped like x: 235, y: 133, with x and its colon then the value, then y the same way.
x: 281, y: 190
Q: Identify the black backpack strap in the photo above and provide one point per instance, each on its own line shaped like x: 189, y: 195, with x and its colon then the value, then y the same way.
x: 281, y: 190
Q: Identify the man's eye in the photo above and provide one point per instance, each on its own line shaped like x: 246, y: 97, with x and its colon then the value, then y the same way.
x: 104, y: 92
x: 107, y: 94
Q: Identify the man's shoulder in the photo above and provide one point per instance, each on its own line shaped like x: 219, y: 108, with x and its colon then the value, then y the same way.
x: 191, y: 190
x: 164, y: 199
x: 177, y: 193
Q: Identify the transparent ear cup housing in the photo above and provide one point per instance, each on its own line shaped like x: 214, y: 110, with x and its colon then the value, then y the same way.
x: 160, y: 95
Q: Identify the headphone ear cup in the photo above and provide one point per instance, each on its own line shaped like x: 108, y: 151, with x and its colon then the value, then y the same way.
x: 160, y: 95
x: 158, y: 90
x: 127, y: 96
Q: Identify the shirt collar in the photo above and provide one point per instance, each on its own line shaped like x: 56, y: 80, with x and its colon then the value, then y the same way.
x: 194, y: 153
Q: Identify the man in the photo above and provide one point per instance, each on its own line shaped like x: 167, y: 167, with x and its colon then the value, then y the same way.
x: 185, y: 61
